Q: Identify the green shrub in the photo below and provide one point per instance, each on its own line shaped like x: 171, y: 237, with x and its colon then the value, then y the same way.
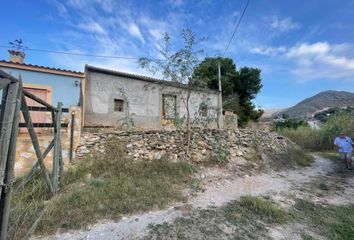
x: 220, y: 149
x: 289, y: 124
x: 306, y: 137
x: 323, y: 138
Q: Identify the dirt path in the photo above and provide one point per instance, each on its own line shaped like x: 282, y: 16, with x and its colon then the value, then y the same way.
x: 217, y: 193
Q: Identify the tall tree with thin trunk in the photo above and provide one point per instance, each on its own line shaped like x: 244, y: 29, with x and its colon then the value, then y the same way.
x: 177, y: 66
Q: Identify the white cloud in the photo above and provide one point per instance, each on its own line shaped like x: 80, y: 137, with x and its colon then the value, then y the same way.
x: 175, y: 3
x: 283, y: 24
x: 316, y: 61
x: 134, y: 30
x: 111, y: 33
x: 321, y: 60
x: 63, y: 12
x: 268, y: 51
x: 92, y: 26
x: 304, y: 49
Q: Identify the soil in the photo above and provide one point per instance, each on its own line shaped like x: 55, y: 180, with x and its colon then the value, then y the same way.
x: 222, y: 185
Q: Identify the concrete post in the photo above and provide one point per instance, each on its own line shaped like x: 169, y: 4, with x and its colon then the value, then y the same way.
x: 220, y: 116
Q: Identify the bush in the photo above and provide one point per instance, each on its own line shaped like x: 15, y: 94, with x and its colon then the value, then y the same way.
x: 220, y: 149
x: 289, y: 124
x: 323, y: 138
x: 306, y: 137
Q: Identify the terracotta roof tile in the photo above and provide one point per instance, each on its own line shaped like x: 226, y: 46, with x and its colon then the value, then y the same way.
x: 40, y: 66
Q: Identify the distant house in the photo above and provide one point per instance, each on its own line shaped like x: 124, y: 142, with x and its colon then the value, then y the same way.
x: 111, y: 98
x: 50, y: 84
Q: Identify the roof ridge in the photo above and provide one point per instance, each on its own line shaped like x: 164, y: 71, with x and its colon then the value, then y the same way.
x: 41, y: 66
x: 145, y: 78
x: 127, y: 73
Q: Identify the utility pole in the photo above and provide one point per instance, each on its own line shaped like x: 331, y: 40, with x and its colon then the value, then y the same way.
x: 220, y: 116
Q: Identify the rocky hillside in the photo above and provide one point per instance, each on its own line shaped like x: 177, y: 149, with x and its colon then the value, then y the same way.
x: 309, y: 106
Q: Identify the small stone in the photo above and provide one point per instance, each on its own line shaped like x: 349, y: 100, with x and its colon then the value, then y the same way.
x: 84, y: 151
x: 158, y: 156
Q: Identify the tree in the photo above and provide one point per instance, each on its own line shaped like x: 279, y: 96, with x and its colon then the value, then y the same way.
x: 239, y: 87
x: 206, y: 74
x: 177, y: 66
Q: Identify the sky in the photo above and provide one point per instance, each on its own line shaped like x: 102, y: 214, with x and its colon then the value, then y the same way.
x: 302, y: 47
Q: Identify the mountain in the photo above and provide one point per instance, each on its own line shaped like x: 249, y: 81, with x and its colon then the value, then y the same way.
x: 321, y: 101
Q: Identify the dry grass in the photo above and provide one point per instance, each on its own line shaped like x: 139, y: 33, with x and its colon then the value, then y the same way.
x: 243, y: 219
x: 105, y: 186
x: 256, y: 208
x: 332, y: 222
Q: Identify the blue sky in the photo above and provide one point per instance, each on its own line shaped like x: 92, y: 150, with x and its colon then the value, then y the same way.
x: 302, y: 47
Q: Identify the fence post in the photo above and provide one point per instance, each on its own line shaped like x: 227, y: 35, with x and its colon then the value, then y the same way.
x: 9, y: 131
x: 35, y: 143
x: 56, y: 154
x: 72, y: 136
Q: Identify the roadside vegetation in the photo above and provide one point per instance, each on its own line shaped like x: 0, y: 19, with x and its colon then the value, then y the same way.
x: 331, y: 222
x: 104, y: 186
x: 245, y: 219
x: 304, y: 212
x: 320, y: 139
x: 252, y: 217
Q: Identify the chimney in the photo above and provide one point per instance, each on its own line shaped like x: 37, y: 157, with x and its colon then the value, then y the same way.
x: 16, y: 56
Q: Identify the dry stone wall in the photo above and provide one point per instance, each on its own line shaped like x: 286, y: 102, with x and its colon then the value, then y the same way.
x: 155, y: 144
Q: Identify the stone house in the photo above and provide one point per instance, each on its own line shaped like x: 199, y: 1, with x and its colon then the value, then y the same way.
x: 115, y: 99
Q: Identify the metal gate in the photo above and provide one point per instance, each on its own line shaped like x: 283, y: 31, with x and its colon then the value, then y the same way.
x: 13, y: 103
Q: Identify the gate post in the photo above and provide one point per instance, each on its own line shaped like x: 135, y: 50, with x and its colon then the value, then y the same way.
x: 8, y: 135
x: 57, y: 149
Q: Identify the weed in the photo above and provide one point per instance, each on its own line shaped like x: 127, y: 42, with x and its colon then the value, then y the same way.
x: 330, y: 155
x: 321, y: 139
x: 26, y: 205
x: 109, y: 185
x: 332, y: 222
x: 260, y: 207
x: 196, y: 185
x: 220, y: 149
x: 305, y: 236
x: 323, y: 186
x: 293, y: 156
x: 243, y: 219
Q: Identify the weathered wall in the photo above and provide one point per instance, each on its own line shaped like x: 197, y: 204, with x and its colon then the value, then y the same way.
x: 25, y: 154
x: 144, y: 100
x: 154, y: 144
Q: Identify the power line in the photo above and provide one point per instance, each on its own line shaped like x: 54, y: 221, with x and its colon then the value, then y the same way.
x: 74, y: 54
x: 89, y: 55
x: 237, y: 25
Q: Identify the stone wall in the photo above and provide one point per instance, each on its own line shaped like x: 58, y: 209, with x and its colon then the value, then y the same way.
x: 25, y: 154
x: 155, y: 144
